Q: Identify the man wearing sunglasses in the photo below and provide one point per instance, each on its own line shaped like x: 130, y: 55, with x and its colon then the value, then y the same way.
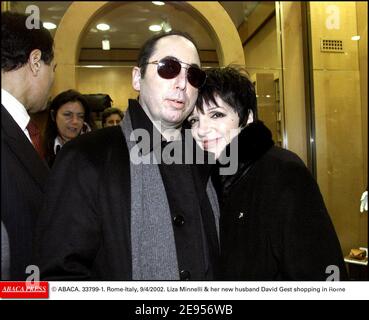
x: 108, y: 217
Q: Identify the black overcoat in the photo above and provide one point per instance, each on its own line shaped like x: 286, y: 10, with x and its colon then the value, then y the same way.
x: 274, y: 224
x: 84, y: 230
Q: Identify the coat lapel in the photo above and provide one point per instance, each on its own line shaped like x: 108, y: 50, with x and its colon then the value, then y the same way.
x: 18, y: 143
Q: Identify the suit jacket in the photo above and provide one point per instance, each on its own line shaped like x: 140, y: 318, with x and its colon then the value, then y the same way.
x: 23, y: 176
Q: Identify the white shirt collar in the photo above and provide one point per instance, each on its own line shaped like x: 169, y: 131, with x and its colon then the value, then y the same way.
x: 57, y: 142
x: 15, y: 108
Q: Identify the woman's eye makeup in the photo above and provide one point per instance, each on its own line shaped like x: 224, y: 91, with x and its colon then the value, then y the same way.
x: 216, y: 115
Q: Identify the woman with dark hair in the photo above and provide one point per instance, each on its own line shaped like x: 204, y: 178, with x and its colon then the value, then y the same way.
x: 69, y: 116
x: 273, y: 223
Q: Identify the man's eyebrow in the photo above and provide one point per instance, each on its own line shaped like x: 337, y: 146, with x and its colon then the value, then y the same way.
x: 174, y: 58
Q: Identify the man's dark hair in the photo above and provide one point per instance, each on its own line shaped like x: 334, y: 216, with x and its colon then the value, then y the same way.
x: 233, y: 86
x: 18, y: 41
x: 148, y: 48
x: 108, y: 112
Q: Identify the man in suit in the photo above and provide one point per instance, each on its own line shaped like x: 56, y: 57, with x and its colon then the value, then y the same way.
x: 27, y: 73
x: 110, y: 217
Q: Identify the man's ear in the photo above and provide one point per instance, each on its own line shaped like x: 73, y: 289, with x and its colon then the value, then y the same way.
x: 34, y: 61
x: 136, y: 78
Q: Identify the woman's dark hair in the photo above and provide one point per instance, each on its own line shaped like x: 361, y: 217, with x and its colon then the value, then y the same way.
x: 51, y: 130
x: 18, y: 41
x: 148, y: 48
x: 231, y: 84
x: 108, y: 112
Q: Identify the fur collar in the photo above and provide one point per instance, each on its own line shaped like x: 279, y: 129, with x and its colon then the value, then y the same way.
x: 253, y: 142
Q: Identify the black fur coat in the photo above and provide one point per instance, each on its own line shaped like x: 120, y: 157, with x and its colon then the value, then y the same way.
x: 274, y: 224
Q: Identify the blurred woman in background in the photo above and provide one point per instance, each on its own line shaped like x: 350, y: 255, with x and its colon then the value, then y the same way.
x: 69, y: 117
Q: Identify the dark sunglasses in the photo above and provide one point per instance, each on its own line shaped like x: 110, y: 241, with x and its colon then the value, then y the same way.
x: 169, y: 68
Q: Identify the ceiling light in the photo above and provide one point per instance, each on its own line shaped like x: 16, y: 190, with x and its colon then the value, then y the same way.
x: 49, y: 25
x: 158, y: 3
x: 103, y: 27
x: 355, y: 38
x: 155, y: 28
x: 93, y: 66
x: 106, y: 44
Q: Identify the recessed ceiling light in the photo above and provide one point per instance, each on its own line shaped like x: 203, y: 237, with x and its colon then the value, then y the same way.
x: 158, y: 3
x: 155, y: 28
x: 49, y: 25
x: 103, y: 26
x: 355, y: 38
